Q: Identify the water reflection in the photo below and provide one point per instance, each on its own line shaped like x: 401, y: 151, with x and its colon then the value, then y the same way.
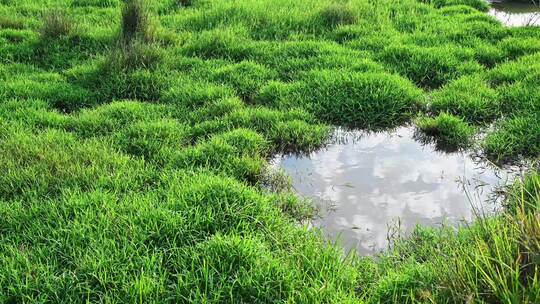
x: 516, y: 13
x: 364, y: 183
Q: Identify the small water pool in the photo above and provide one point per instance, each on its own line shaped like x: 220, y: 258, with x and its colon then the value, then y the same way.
x: 368, y: 184
x: 516, y: 13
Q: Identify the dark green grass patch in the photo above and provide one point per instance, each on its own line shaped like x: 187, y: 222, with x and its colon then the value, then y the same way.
x: 338, y: 14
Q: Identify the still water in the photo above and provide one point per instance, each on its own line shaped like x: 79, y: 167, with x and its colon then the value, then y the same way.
x: 516, y: 13
x: 370, y: 185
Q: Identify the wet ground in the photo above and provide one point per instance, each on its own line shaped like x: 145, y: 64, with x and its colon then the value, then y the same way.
x: 369, y: 186
x: 516, y: 13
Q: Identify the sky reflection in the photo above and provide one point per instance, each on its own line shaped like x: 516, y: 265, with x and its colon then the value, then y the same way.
x: 366, y: 183
x: 514, y: 13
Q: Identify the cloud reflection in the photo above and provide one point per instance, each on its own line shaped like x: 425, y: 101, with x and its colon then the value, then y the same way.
x: 383, y: 178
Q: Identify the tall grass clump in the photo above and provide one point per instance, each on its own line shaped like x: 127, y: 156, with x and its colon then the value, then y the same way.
x: 130, y: 69
x: 135, y: 23
x: 56, y: 24
x: 337, y: 14
x: 185, y: 3
x: 504, y: 266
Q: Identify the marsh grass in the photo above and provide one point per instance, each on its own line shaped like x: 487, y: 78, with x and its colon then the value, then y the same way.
x: 337, y: 14
x: 136, y: 23
x: 515, y: 136
x: 133, y: 157
x: 447, y: 131
x: 469, y: 97
x: 184, y: 3
x: 56, y: 24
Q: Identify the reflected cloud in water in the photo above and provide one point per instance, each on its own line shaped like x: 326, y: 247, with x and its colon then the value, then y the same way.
x: 515, y: 13
x: 363, y: 183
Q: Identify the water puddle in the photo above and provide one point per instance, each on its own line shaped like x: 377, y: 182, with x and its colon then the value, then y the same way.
x: 367, y: 184
x: 516, y: 13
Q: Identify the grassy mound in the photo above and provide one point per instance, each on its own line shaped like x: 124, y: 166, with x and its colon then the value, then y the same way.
x: 448, y: 131
x: 468, y: 97
x: 366, y: 100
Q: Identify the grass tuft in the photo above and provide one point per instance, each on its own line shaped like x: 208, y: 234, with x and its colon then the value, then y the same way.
x: 56, y: 24
x: 185, y: 3
x: 135, y: 22
x: 364, y: 100
x: 449, y: 132
x: 337, y: 14
x: 514, y: 137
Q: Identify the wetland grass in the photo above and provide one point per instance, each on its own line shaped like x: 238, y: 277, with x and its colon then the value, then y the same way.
x: 133, y: 149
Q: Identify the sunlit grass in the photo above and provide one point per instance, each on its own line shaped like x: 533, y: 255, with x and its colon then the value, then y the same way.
x: 135, y: 138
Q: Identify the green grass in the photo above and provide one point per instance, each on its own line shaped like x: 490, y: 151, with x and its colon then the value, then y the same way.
x: 469, y: 97
x: 135, y: 138
x: 55, y: 25
x: 449, y: 132
x: 366, y: 100
x: 514, y: 136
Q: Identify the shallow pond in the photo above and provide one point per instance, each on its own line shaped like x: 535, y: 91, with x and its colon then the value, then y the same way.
x: 367, y: 185
x: 516, y: 13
